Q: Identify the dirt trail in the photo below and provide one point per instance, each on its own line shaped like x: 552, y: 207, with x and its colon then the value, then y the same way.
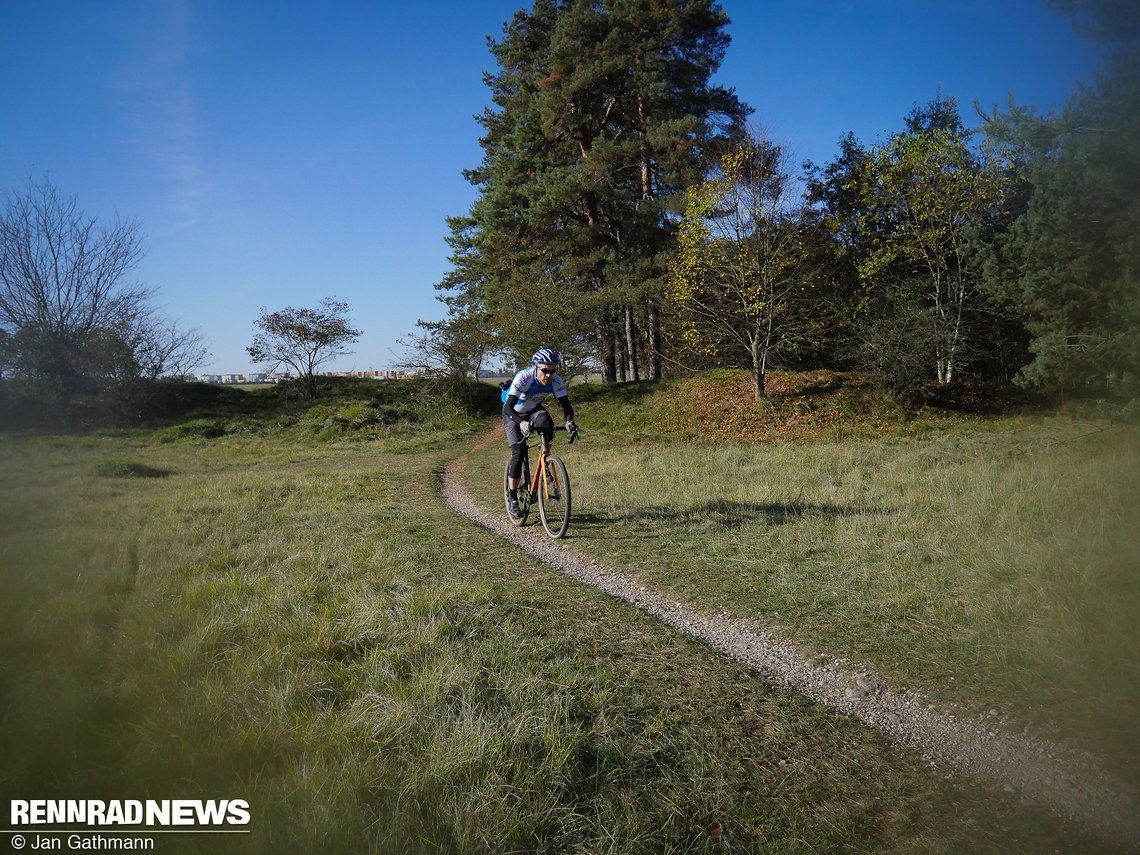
x: 1069, y: 783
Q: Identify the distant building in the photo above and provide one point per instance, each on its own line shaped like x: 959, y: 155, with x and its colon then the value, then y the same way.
x: 372, y: 374
x: 280, y: 376
x: 243, y: 379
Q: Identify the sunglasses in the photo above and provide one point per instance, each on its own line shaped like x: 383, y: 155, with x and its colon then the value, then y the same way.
x: 544, y: 369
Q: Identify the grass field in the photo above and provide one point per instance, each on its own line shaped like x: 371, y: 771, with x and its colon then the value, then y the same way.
x: 989, y: 561
x: 283, y: 610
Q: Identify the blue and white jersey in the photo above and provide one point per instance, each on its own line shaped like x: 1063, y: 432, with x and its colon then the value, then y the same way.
x: 530, y: 392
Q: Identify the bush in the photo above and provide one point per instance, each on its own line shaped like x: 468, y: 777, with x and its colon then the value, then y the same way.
x: 897, y: 352
x: 196, y: 429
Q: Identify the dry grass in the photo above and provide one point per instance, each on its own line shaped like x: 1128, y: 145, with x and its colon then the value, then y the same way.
x: 307, y: 626
x: 993, y: 562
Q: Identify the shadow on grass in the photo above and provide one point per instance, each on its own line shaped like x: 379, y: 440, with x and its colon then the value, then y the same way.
x: 818, y: 384
x: 127, y: 469
x: 727, y: 516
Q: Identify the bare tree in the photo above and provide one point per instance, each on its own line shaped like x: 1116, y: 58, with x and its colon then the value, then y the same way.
x: 303, y: 338
x: 160, y: 347
x: 62, y: 284
x: 449, y: 354
x: 7, y: 355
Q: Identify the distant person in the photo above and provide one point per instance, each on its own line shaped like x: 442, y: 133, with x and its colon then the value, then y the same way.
x: 523, y: 413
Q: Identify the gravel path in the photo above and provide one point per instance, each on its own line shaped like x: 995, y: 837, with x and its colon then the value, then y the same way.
x: 979, y: 745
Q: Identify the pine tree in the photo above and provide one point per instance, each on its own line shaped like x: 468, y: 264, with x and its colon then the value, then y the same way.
x: 602, y: 113
x: 1069, y: 265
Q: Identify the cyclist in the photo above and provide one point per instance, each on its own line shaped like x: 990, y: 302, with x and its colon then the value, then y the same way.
x: 523, y: 413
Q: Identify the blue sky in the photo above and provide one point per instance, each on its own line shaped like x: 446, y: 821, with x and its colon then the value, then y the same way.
x: 279, y: 151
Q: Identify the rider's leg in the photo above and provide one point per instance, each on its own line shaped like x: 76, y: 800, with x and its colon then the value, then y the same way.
x: 518, y: 448
x: 514, y: 471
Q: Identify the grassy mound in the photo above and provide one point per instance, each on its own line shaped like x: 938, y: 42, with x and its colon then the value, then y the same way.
x: 344, y: 407
x: 719, y: 406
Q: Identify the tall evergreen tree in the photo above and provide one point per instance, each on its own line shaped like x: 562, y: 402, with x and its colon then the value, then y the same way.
x: 602, y: 112
x: 1070, y: 263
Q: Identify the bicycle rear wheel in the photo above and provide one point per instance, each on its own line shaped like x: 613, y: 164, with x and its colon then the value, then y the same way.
x: 554, y: 497
x: 523, y: 493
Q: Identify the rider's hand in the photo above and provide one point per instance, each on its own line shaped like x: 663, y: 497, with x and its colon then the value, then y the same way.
x: 525, y: 428
x: 571, y: 428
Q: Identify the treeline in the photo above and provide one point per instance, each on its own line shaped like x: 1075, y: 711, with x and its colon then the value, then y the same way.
x: 627, y: 214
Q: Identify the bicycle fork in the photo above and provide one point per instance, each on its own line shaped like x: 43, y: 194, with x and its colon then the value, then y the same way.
x: 545, y: 478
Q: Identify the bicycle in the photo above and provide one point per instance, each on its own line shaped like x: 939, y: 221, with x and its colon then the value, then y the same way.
x: 550, y: 484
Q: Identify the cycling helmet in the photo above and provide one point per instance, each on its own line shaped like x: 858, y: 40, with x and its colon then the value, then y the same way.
x: 545, y: 356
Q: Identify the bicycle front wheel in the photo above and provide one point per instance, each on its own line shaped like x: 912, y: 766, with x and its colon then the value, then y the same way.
x: 554, y: 497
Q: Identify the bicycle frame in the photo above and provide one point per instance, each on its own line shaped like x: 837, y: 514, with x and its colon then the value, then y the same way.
x: 547, y: 485
x: 539, y: 477
x: 540, y: 474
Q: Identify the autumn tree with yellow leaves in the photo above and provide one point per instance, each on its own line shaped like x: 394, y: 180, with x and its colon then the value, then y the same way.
x: 753, y: 268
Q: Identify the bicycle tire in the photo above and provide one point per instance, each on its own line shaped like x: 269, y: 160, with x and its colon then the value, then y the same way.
x: 523, y: 493
x: 554, y: 498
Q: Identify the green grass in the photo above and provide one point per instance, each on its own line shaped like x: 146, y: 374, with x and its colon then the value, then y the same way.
x: 989, y: 561
x: 293, y: 617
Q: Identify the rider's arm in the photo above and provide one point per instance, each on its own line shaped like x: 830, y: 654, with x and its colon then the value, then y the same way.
x: 567, y: 410
x: 509, y: 409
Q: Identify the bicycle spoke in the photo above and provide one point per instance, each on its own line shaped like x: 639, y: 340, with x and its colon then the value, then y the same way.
x: 554, y: 497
